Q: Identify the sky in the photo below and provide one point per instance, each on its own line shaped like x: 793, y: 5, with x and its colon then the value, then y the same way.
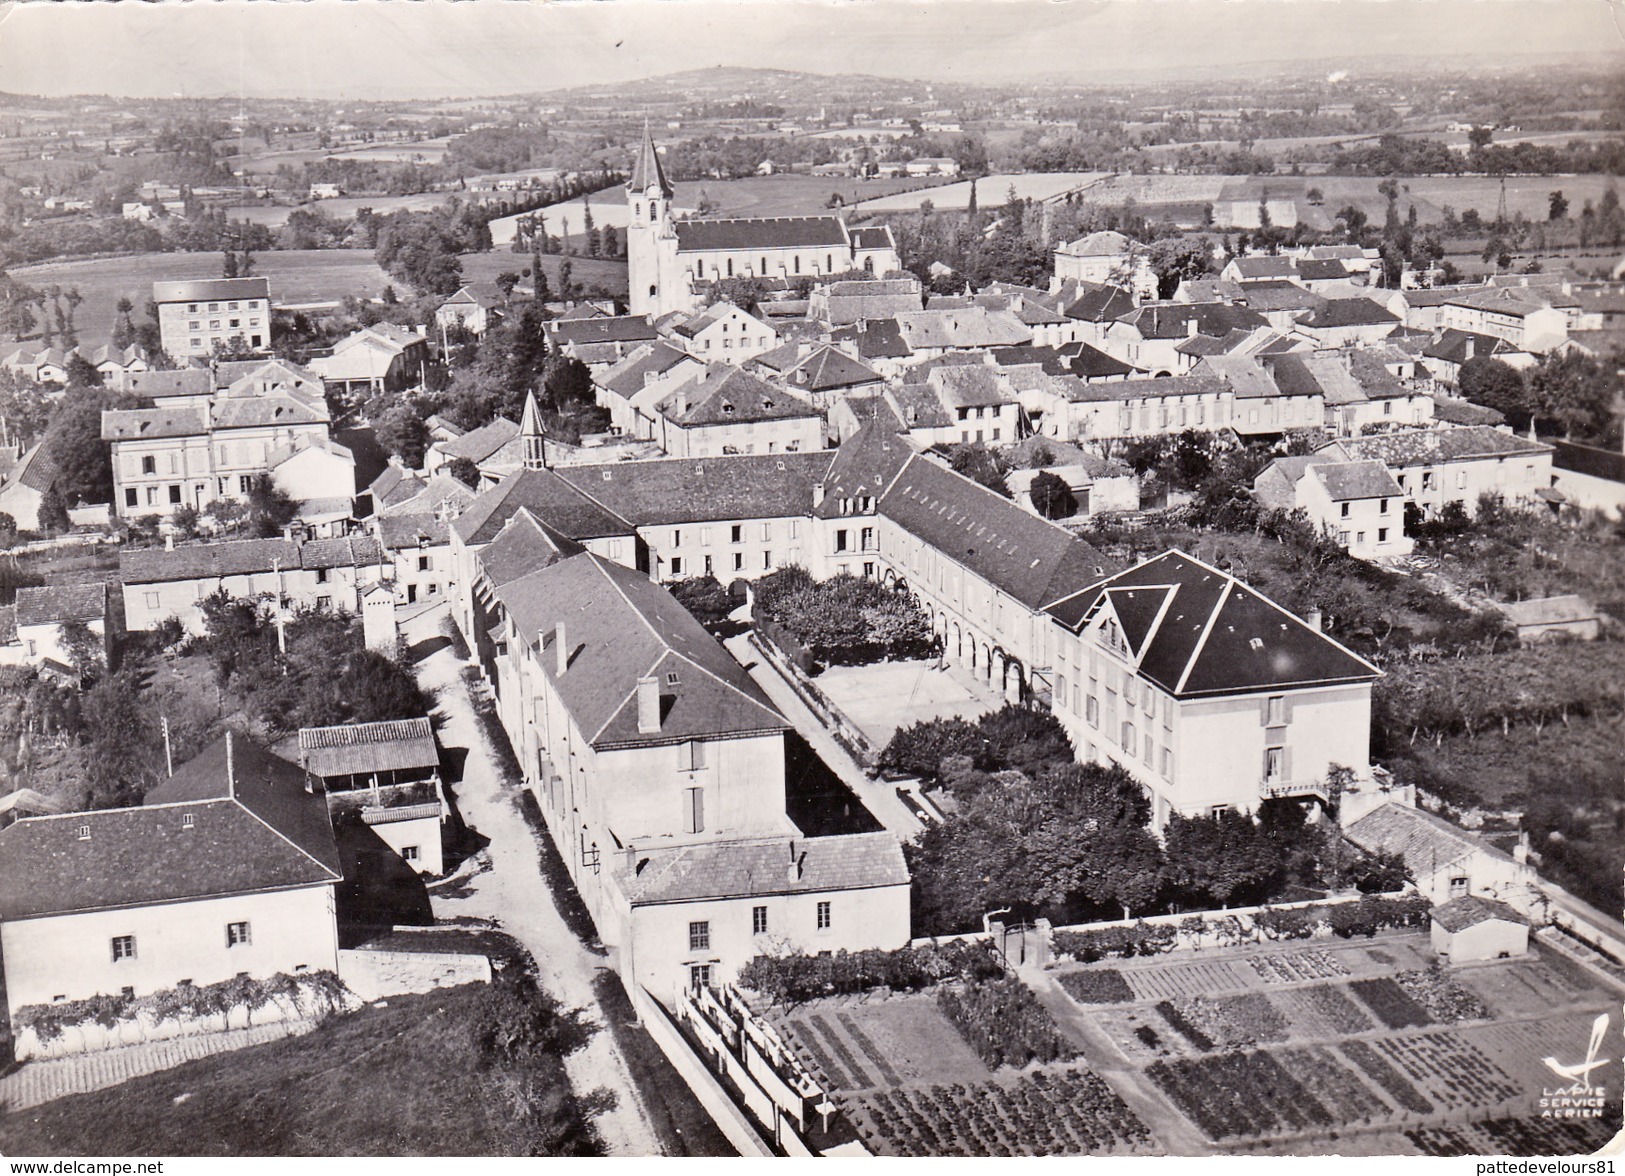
x: 395, y: 49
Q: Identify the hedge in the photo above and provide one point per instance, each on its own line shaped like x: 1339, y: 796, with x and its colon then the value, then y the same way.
x: 796, y: 978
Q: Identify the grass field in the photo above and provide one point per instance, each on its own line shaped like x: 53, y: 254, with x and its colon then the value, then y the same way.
x: 586, y: 271
x: 296, y: 276
x: 991, y: 191
x: 404, y: 1079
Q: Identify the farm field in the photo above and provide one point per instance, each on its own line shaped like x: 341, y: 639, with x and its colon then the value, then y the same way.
x: 585, y: 271
x: 991, y: 191
x: 1275, y: 1047
x: 297, y: 276
x: 781, y: 195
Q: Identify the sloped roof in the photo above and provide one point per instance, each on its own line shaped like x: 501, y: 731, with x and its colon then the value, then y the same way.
x: 1427, y: 843
x: 691, y: 327
x: 1457, y: 346
x: 872, y: 237
x: 479, y: 444
x: 1352, y: 481
x: 1350, y: 312
x: 546, y: 495
x: 38, y: 469
x: 1471, y: 909
x: 1272, y: 295
x: 1216, y: 635
x: 1028, y: 558
x: 741, y: 869
x: 394, y: 485
x: 974, y: 326
x: 826, y: 369
x: 1454, y: 410
x: 211, y: 290
x: 1322, y: 269
x: 1407, y: 447
x: 1105, y: 243
x: 246, y: 412
x: 1264, y: 267
x: 919, y: 406
x: 1172, y: 320
x: 292, y: 449
x: 701, y: 489
x: 145, y: 424
x: 523, y: 546
x: 161, y: 384
x: 779, y: 232
x: 1195, y: 384
x: 1099, y: 303
x: 648, y: 172
x: 625, y: 328
x: 356, y: 748
x: 353, y: 551
x: 55, y: 603
x: 256, y: 830
x: 621, y: 626
x: 968, y: 386
x: 195, y: 561
x: 727, y: 395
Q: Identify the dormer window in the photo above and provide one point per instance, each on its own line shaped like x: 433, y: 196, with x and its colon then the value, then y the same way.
x: 84, y: 832
x: 671, y: 678
x: 1256, y: 644
x: 188, y: 821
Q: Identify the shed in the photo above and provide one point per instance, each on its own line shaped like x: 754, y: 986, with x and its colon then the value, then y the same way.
x: 1552, y: 617
x: 1473, y: 928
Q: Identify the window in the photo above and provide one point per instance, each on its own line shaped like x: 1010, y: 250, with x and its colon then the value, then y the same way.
x: 321, y: 575
x: 677, y: 537
x: 149, y: 465
x: 152, y: 496
x: 245, y: 483
x: 867, y: 537
x: 699, y: 936
x: 1150, y: 753
x: 1274, y: 764
x: 1275, y: 711
x: 409, y: 853
x: 188, y: 820
x: 1167, y: 763
x: 123, y: 947
x: 694, y: 810
x: 174, y: 495
x: 676, y: 565
x: 1458, y: 886
x: 1091, y: 711
x: 1218, y: 810
x: 691, y: 756
x: 758, y: 920
x: 739, y: 561
x: 767, y: 532
x: 237, y: 935
x: 823, y: 916
x: 767, y: 561
x: 1127, y: 740
x: 1359, y: 537
x: 840, y: 540
x: 1382, y: 534
x: 1427, y: 479
x: 1343, y: 538
x: 324, y: 602
x: 699, y: 976
x: 131, y: 498
x: 709, y: 568
x: 1344, y: 510
x: 736, y: 533
x: 1461, y: 479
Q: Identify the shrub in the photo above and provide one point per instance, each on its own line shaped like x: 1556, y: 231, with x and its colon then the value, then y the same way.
x: 1096, y: 986
x: 845, y: 620
x: 794, y: 979
x: 1004, y: 1023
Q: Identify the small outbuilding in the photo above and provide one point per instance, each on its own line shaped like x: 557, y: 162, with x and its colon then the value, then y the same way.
x: 1476, y: 928
x: 1554, y: 617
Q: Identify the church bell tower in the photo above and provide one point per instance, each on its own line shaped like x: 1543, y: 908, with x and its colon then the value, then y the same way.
x: 649, y: 229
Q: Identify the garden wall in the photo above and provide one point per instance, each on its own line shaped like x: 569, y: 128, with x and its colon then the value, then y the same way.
x: 374, y: 974
x: 843, y: 729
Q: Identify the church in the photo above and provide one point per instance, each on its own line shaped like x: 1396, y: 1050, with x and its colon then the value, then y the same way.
x: 670, y: 261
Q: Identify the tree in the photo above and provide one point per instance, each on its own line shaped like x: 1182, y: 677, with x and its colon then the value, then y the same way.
x: 82, y: 373
x: 1221, y: 857
x: 505, y: 282
x: 401, y: 431
x: 1051, y: 496
x: 465, y: 471
x: 980, y: 464
x: 185, y: 521
x: 1174, y: 259
x: 1557, y: 206
x: 269, y: 507
x: 1479, y: 137
x: 53, y: 511
x: 566, y: 381
x: 705, y: 598
x: 1496, y: 385
x: 8, y: 530
x: 1579, y: 394
x: 84, y: 650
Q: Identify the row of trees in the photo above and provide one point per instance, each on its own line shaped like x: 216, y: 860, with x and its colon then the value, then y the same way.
x: 845, y: 620
x: 1567, y: 390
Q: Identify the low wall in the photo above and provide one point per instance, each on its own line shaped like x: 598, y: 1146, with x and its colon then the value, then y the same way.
x: 842, y: 729
x: 730, y: 1120
x: 374, y: 974
x: 90, y: 1037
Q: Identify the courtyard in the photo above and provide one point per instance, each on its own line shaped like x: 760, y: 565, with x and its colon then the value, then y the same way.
x: 885, y: 696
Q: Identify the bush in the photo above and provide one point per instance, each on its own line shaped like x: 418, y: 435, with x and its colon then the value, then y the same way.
x: 1096, y: 986
x: 705, y: 598
x: 1004, y: 1023
x: 845, y: 620
x: 797, y: 978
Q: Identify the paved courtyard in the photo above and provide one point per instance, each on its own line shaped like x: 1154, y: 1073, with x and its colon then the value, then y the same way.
x: 881, y: 698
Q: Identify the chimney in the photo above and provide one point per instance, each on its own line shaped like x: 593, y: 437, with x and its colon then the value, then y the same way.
x: 818, y: 495
x: 793, y: 870
x: 561, y: 651
x: 682, y: 404
x: 1312, y: 619
x: 648, y: 706
x: 169, y: 541
x: 803, y: 349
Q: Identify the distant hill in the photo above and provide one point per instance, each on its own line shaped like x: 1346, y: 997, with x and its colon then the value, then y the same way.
x: 726, y: 83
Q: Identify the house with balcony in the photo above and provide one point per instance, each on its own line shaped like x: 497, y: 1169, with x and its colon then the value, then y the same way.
x: 1206, y: 691
x: 385, y: 778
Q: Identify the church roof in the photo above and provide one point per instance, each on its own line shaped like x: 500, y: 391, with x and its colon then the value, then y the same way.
x: 648, y: 171
x: 778, y: 232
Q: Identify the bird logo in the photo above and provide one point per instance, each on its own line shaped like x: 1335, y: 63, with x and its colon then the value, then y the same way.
x: 1580, y: 1073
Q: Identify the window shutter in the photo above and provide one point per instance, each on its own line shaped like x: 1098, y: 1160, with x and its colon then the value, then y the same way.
x: 1286, y: 764
x: 1264, y: 767
x: 1286, y: 709
x: 1264, y: 711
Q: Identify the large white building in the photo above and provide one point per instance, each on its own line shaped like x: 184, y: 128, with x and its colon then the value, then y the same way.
x: 669, y: 261
x: 195, y: 317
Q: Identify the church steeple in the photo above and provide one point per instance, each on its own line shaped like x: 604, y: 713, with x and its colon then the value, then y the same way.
x: 648, y: 171
x: 532, y: 435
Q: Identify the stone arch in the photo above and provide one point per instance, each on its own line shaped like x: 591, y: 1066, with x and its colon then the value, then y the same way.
x: 987, y: 662
x: 1013, y: 678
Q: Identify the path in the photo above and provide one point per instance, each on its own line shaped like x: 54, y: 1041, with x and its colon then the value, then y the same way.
x: 46, y: 1079
x: 1178, y: 1135
x: 514, y: 893
x: 878, y: 796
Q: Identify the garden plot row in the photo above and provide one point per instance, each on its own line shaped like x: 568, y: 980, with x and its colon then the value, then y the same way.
x: 1067, y: 1111
x: 1530, y: 1136
x: 1450, y: 1070
x: 841, y: 1062
x: 1264, y: 1093
x: 1162, y: 983
x: 1518, y: 1047
x: 1526, y: 989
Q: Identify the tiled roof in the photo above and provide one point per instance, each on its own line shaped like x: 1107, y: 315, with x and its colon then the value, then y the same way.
x: 546, y: 495
x: 1099, y: 303
x: 1322, y: 269
x: 479, y: 444
x: 879, y: 339
x: 702, y: 489
x: 1471, y: 909
x: 354, y: 551
x: 626, y: 328
x: 291, y: 449
x: 55, y: 603
x: 973, y: 327
x: 246, y: 412
x: 258, y: 830
x: 1506, y: 300
x: 37, y: 469
x: 145, y: 424
x: 1453, y: 410
x: 1352, y: 481
x: 1427, y: 843
x: 1196, y: 384
x: 398, y: 532
x: 1176, y: 320
x: 1350, y: 312
x: 1408, y: 447
x: 872, y: 237
x: 1336, y: 252
x: 1266, y: 296
x: 1106, y: 243
x: 726, y: 395
x: 207, y: 290
x: 1265, y: 267
x: 694, y: 325
x: 394, y: 485
x: 1216, y: 636
x: 523, y: 546
x: 1030, y: 559
x: 160, y: 385
x: 440, y: 494
x: 827, y: 369
x: 919, y: 406
x: 742, y: 869
x: 968, y: 386
x: 779, y: 232
x: 648, y: 171
x: 196, y: 561
x: 621, y: 626
x: 354, y: 748
x: 1456, y: 346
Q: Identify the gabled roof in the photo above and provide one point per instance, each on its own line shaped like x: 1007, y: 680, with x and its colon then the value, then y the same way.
x: 1198, y: 383
x: 160, y: 385
x: 742, y: 869
x: 195, y: 561
x: 1353, y: 481
x: 1264, y: 267
x: 1453, y: 410
x: 1322, y: 269
x: 1213, y: 635
x: 696, y: 324
x: 524, y: 545
x: 702, y: 489
x: 1427, y: 843
x: 827, y: 369
x: 1471, y: 909
x: 1030, y: 559
x: 779, y: 232
x: 37, y: 469
x: 353, y: 551
x: 147, y: 424
x: 247, y: 412
x: 969, y: 386
x: 291, y: 449
x: 1106, y: 243
x: 1408, y: 447
x: 974, y: 326
x: 1173, y: 320
x: 727, y: 395
x: 1457, y: 346
x: 394, y: 485
x: 56, y: 603
x: 630, y: 375
x: 620, y: 626
x: 1350, y: 312
x: 872, y: 237
x: 357, y: 748
x: 1099, y: 303
x: 479, y: 444
x: 546, y: 495
x: 625, y: 328
x: 255, y: 829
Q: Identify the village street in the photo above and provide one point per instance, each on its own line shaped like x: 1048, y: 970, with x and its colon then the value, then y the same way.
x: 513, y: 892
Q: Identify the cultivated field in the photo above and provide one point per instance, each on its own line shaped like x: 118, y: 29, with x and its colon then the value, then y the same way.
x: 585, y: 271
x: 991, y: 191
x: 297, y: 276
